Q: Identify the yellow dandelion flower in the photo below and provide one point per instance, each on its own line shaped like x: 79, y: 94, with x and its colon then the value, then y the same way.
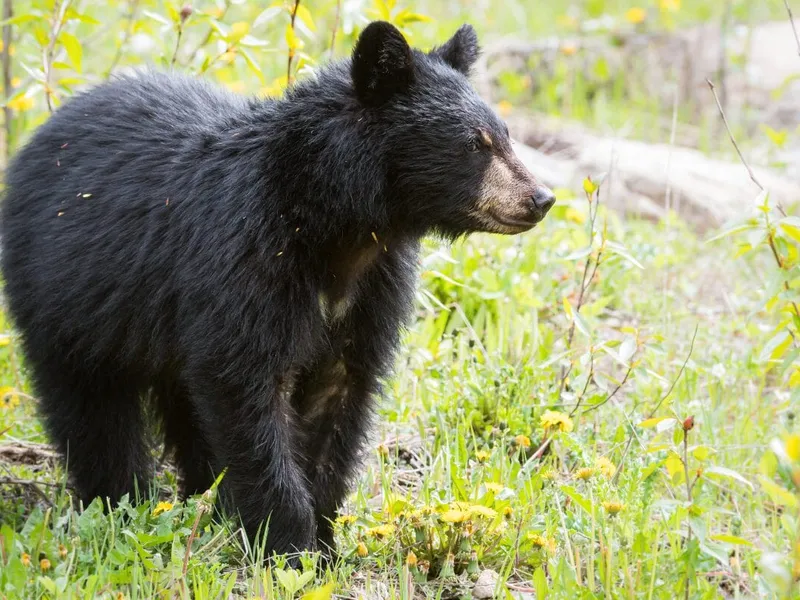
x: 793, y: 447
x: 635, y: 15
x: 44, y: 564
x: 21, y: 103
x: 8, y: 398
x: 411, y: 559
x: 556, y: 420
x: 162, y: 507
x: 454, y: 516
x: 483, y: 511
x: 523, y: 441
x: 605, y: 466
x: 381, y: 530
x: 549, y: 474
x: 346, y: 519
x: 482, y: 456
x: 495, y: 488
x: 508, y: 512
x: 613, y: 508
x: 569, y: 49
x: 26, y: 559
x: 504, y: 107
x: 540, y: 541
x: 584, y: 473
x: 120, y: 596
x: 362, y: 549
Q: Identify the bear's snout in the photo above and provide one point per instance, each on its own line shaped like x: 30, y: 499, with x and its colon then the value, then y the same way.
x: 542, y: 201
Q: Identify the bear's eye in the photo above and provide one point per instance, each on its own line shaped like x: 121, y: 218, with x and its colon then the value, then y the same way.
x: 473, y: 145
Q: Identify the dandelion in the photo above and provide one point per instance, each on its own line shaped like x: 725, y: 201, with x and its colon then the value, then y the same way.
x: 635, y: 15
x: 523, y: 441
x: 545, y: 543
x: 556, y: 420
x: 411, y: 559
x: 361, y: 550
x: 346, y: 520
x: 26, y: 559
x: 508, y: 512
x: 793, y: 447
x: 495, y: 488
x: 21, y: 103
x: 483, y: 511
x: 605, y: 466
x: 120, y: 596
x: 381, y: 530
x: 482, y: 456
x: 612, y: 508
x: 8, y: 398
x: 584, y: 473
x: 44, y: 564
x: 162, y: 507
x: 454, y: 516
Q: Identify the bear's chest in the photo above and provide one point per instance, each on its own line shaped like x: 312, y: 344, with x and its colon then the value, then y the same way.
x: 343, y: 281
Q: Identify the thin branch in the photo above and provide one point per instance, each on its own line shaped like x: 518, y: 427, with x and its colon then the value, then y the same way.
x: 177, y: 44
x: 209, y: 34
x: 291, y: 50
x: 730, y: 135
x: 59, y: 11
x: 8, y: 12
x: 613, y: 393
x: 335, y: 27
x: 131, y: 18
x: 794, y: 27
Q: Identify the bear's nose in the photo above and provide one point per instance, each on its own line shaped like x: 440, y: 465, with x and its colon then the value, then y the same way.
x: 543, y: 198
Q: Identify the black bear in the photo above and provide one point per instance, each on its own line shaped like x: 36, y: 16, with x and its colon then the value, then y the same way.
x: 243, y: 268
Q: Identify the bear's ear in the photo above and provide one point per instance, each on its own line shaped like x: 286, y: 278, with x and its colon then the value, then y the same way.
x: 382, y: 63
x: 460, y: 51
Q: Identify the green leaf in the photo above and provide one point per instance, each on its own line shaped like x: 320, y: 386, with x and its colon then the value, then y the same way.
x: 266, y: 16
x: 580, y: 500
x: 730, y: 539
x: 620, y: 250
x: 728, y: 473
x: 648, y: 423
x: 157, y: 17
x: 791, y: 226
x: 73, y: 47
x: 776, y: 346
x: 777, y: 494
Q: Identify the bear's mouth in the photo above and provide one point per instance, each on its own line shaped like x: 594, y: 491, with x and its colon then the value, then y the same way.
x: 514, y: 224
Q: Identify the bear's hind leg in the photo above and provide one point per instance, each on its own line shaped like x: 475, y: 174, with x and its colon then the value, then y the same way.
x: 183, y: 436
x: 95, y: 420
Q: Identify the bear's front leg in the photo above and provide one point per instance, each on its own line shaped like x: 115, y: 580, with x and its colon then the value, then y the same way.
x: 253, y: 433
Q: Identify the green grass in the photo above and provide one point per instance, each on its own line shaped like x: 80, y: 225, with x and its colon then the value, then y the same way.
x: 458, y: 429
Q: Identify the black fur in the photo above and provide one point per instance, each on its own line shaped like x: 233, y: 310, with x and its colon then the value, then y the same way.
x: 247, y: 263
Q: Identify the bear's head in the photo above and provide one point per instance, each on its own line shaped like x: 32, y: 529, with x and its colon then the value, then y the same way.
x: 450, y: 163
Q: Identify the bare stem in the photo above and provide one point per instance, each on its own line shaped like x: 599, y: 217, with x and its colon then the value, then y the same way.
x: 689, y: 499
x: 59, y: 11
x: 209, y: 34
x: 730, y: 135
x: 8, y: 12
x: 335, y: 28
x: 131, y: 19
x: 291, y: 50
x: 177, y: 45
x: 794, y: 27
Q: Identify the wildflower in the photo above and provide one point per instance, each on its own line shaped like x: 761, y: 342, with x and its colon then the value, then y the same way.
x: 508, y: 512
x: 523, y: 441
x: 495, y: 488
x: 26, y: 559
x: 454, y: 516
x: 605, y: 466
x: 539, y: 541
x: 411, y: 559
x: 584, y: 473
x: 120, y: 596
x: 483, y: 511
x: 482, y: 456
x: 8, y: 398
x: 162, y: 507
x: 21, y: 103
x: 569, y: 49
x: 62, y: 551
x: 346, y: 519
x: 613, y: 508
x: 556, y: 420
x: 381, y: 530
x: 362, y: 549
x: 793, y: 447
x: 635, y: 15
x: 44, y: 564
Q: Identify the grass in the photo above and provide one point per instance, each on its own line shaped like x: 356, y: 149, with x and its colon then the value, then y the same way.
x: 453, y: 485
x: 602, y: 408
